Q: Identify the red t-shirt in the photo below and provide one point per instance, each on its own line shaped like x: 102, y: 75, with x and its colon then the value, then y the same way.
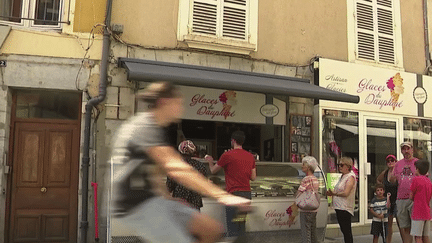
x: 421, y: 189
x: 237, y: 165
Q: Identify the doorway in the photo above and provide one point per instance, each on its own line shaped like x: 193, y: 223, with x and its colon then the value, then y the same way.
x: 381, y: 138
x: 43, y: 183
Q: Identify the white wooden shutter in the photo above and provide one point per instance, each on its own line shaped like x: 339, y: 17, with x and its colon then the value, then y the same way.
x: 375, y: 34
x: 365, y: 30
x: 235, y: 19
x: 385, y: 32
x: 205, y: 16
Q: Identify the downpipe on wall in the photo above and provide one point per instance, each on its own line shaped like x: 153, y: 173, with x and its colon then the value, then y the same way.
x: 87, y: 122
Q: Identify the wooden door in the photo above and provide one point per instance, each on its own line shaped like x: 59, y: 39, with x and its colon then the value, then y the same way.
x: 44, y: 183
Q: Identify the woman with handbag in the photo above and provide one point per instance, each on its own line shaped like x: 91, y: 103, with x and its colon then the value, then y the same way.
x: 308, y: 200
x: 344, y: 196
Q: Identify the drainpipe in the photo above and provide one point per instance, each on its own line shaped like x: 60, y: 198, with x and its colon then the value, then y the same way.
x: 87, y: 121
x: 426, y: 36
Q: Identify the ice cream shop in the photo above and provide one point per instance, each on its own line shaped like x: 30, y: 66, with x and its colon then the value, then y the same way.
x: 394, y: 107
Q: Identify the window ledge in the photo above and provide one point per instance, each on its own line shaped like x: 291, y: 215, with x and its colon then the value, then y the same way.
x: 217, y: 44
x: 380, y: 65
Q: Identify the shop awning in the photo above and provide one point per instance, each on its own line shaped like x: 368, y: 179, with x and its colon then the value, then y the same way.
x: 192, y: 75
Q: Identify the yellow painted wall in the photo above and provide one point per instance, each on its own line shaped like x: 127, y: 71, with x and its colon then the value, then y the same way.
x: 88, y: 13
x: 413, y: 36
x: 296, y: 30
x: 289, y: 32
x: 50, y: 44
x: 148, y: 22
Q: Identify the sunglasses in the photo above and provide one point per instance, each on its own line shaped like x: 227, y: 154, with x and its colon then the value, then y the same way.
x: 340, y: 165
x: 391, y: 160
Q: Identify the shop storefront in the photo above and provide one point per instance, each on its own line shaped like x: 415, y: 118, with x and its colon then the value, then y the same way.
x: 394, y: 107
x: 218, y: 102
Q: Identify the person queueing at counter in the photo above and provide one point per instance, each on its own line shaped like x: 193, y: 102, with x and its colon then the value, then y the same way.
x: 404, y: 173
x: 344, y: 197
x: 142, y: 157
x: 239, y: 168
x: 187, y: 148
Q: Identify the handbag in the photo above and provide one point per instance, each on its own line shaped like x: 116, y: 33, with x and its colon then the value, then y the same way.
x: 308, y: 200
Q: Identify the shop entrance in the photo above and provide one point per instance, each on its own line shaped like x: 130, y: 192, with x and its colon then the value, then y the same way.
x: 381, y: 139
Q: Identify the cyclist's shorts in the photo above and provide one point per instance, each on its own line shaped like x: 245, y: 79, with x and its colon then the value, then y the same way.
x: 159, y: 220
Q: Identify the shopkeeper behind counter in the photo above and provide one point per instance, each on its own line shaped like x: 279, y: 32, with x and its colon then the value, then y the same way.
x: 239, y: 168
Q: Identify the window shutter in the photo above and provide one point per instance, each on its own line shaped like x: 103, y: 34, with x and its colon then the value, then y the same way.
x: 204, y: 20
x: 365, y: 30
x: 234, y: 19
x: 385, y: 32
x: 375, y: 35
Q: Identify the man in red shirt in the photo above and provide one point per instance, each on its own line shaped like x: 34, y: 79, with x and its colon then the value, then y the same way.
x: 239, y: 168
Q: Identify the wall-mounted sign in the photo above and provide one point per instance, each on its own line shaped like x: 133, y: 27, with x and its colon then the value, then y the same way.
x: 269, y: 110
x: 229, y: 106
x: 420, y: 95
x: 379, y: 89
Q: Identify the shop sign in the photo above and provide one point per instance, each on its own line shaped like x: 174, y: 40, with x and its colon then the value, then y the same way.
x: 230, y: 106
x: 269, y: 110
x: 379, y: 89
x: 420, y: 95
x: 272, y: 216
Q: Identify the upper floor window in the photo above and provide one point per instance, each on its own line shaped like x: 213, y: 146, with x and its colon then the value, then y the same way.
x: 223, y: 25
x: 378, y: 32
x: 32, y: 13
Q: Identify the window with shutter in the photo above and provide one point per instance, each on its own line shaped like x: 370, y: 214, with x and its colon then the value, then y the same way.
x: 32, y: 13
x: 375, y: 35
x: 224, y: 25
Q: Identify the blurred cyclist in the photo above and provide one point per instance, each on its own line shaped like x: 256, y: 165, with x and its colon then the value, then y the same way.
x: 142, y: 158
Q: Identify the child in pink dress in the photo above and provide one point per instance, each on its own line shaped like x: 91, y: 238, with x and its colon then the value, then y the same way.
x: 421, y: 192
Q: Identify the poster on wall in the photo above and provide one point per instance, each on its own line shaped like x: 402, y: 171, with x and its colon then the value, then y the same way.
x: 379, y: 89
x: 300, y: 137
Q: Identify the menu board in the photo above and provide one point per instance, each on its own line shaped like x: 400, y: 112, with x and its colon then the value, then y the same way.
x: 300, y: 137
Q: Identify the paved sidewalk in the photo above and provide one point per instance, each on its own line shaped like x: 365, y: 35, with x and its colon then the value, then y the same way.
x: 364, y: 238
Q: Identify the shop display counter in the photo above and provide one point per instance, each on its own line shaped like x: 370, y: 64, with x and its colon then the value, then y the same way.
x: 273, y: 192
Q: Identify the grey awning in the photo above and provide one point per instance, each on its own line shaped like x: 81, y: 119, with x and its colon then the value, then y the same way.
x: 191, y: 75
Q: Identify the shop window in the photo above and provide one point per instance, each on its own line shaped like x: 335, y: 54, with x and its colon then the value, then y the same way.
x: 377, y: 31
x: 340, y: 139
x: 32, y: 13
x: 418, y: 131
x: 214, y: 138
x: 48, y: 105
x: 223, y: 25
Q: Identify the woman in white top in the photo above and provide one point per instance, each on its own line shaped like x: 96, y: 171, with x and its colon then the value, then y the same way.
x: 308, y: 217
x: 343, y: 197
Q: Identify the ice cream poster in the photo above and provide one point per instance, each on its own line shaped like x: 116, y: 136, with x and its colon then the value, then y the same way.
x: 379, y: 89
x: 227, y: 106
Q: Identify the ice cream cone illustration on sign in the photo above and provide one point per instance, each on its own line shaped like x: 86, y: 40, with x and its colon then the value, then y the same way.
x: 228, y: 99
x: 395, y: 84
